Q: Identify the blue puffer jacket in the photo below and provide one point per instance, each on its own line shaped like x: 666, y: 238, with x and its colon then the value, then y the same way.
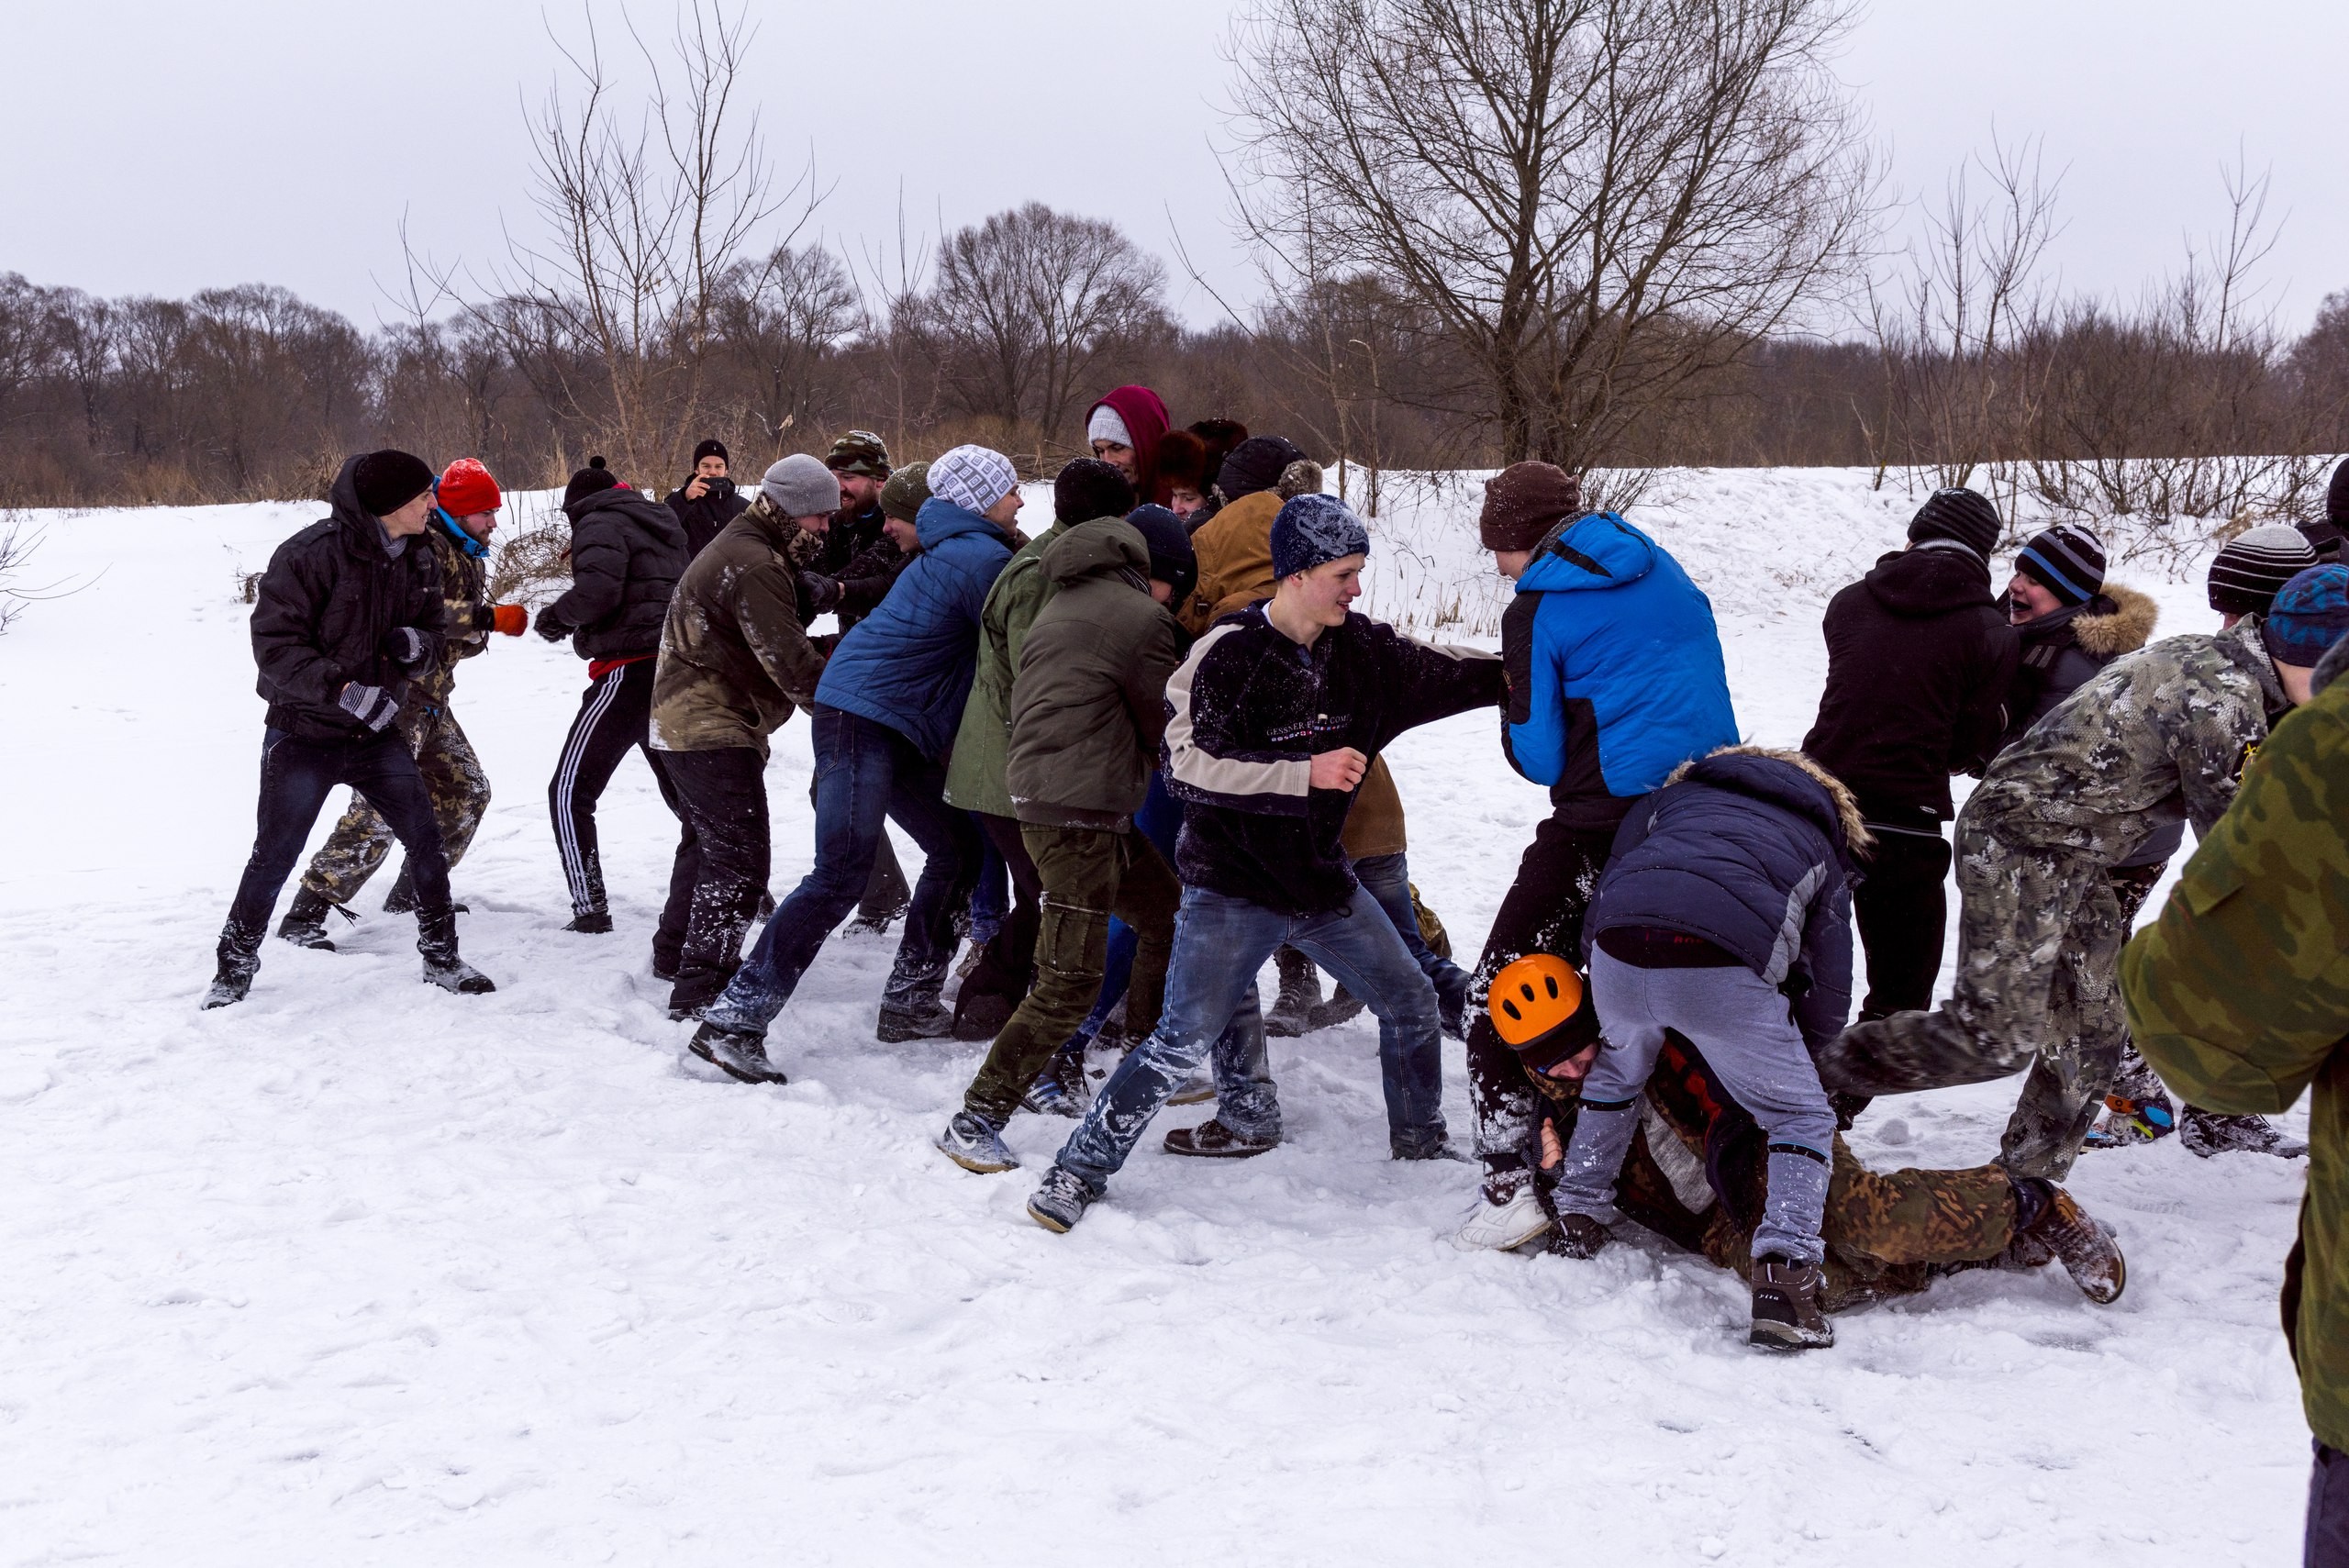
x: 909, y: 664
x: 1750, y: 850
x: 1615, y: 670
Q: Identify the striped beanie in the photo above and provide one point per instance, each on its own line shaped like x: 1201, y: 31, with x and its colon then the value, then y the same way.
x: 2066, y: 561
x: 2254, y: 564
x: 974, y: 478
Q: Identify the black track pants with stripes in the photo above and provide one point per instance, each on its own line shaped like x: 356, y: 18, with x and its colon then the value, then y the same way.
x: 615, y: 714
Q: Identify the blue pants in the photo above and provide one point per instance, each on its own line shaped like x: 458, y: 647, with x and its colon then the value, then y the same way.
x: 1388, y: 879
x: 1219, y: 944
x: 1739, y: 1022
x: 864, y: 772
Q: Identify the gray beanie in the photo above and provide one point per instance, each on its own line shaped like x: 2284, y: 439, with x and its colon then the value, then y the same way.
x: 801, y: 486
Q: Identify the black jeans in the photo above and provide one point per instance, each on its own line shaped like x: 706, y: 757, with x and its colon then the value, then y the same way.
x: 1541, y: 912
x: 615, y: 716
x: 296, y: 778
x: 1007, y: 968
x: 1901, y: 907
x: 2325, y: 1540
x: 720, y: 870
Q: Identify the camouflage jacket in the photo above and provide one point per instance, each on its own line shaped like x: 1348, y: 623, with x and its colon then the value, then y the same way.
x: 464, y: 590
x: 2239, y: 997
x: 735, y: 658
x: 2162, y: 730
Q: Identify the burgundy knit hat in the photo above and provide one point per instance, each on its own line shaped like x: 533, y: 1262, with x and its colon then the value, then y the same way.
x: 1525, y: 501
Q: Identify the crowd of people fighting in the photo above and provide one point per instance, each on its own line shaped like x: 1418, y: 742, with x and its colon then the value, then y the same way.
x: 1141, y: 751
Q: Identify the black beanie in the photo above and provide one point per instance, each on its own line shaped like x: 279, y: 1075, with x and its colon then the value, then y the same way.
x: 1254, y: 465
x: 588, y: 480
x: 711, y: 447
x: 1088, y: 488
x: 2336, y: 496
x: 1171, y: 557
x: 390, y: 479
x: 2253, y: 567
x: 1960, y: 515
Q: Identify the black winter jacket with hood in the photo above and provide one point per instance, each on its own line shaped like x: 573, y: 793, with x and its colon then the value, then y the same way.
x: 325, y: 612
x: 626, y: 552
x: 1246, y: 713
x: 1750, y: 850
x: 706, y: 517
x: 1918, y: 665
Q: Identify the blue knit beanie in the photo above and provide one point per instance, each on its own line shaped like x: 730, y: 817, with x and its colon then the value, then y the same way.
x: 1310, y: 529
x: 2311, y: 613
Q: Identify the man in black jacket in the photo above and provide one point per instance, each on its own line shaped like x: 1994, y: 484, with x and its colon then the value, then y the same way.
x: 1272, y: 722
x: 626, y: 553
x: 347, y: 617
x: 1918, y: 663
x: 708, y: 500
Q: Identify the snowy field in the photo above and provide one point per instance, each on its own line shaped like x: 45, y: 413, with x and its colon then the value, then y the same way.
x: 360, y: 1273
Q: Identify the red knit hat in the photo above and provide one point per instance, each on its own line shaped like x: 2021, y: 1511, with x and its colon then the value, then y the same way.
x: 467, y: 488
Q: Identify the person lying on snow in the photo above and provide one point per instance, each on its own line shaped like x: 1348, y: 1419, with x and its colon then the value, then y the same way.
x: 1272, y: 722
x: 1723, y: 923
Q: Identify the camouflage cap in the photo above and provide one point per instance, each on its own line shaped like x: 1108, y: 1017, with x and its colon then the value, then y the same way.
x: 859, y: 452
x: 907, y: 490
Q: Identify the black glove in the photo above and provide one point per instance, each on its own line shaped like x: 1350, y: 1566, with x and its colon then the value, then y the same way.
x: 823, y: 593
x: 407, y: 645
x: 371, y: 705
x: 552, y: 628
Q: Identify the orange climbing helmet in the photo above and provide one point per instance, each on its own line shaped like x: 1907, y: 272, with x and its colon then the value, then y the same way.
x: 1541, y: 1010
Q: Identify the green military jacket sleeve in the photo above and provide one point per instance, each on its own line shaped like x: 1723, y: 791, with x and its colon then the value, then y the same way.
x: 2239, y: 997
x: 983, y: 742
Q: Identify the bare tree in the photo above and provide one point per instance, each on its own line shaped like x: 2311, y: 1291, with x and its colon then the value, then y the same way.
x: 1027, y: 303
x: 1604, y: 201
x: 781, y: 321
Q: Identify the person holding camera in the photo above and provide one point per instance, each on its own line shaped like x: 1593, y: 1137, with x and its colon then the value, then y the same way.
x: 708, y: 500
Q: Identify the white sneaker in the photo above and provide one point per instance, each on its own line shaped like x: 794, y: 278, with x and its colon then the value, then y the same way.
x: 1503, y: 1226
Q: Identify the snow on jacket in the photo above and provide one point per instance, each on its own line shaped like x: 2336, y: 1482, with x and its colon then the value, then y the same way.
x: 1919, y: 664
x: 706, y: 517
x: 2174, y: 722
x: 325, y: 611
x: 1750, y: 849
x: 975, y: 778
x: 1247, y: 712
x: 909, y: 664
x: 735, y: 655
x: 626, y: 552
x: 2239, y: 997
x: 1089, y: 706
x: 1235, y: 557
x: 1615, y: 671
x: 2061, y: 651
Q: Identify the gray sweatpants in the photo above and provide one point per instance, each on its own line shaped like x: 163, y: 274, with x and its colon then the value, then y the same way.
x: 1741, y: 1025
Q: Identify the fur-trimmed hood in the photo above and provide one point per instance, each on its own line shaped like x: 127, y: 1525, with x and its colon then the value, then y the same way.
x: 1856, y: 837
x: 2124, y: 628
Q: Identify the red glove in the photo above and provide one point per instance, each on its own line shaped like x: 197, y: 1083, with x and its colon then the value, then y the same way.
x: 511, y: 619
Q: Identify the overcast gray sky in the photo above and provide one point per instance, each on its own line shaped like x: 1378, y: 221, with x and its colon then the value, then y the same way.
x: 165, y: 147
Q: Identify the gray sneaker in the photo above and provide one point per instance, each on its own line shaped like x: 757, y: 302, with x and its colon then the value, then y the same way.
x: 1060, y: 1202
x: 974, y: 1145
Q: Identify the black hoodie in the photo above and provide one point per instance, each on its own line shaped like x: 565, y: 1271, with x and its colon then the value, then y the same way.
x: 1919, y: 664
x: 626, y: 552
x: 326, y: 610
x: 706, y: 517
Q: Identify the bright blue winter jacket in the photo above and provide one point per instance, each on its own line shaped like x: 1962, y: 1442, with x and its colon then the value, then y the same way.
x: 909, y: 664
x: 1750, y: 851
x: 1615, y: 671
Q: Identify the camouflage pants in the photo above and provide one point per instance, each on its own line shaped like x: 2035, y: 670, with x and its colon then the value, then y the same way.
x: 460, y: 791
x: 2039, y: 939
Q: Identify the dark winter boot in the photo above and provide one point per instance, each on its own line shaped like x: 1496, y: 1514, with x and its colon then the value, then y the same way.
x: 239, y: 960
x: 736, y: 1054
x: 2052, y: 1218
x: 1341, y: 1005
x: 1787, y: 1314
x: 595, y: 923
x: 2207, y: 1133
x: 927, y: 1022
x: 1292, y: 1013
x: 401, y: 899
x: 436, y: 938
x: 1213, y: 1141
x: 1579, y: 1236
x: 306, y: 921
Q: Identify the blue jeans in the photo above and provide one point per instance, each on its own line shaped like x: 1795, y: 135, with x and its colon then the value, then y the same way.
x: 1388, y: 878
x: 864, y: 772
x: 1219, y: 944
